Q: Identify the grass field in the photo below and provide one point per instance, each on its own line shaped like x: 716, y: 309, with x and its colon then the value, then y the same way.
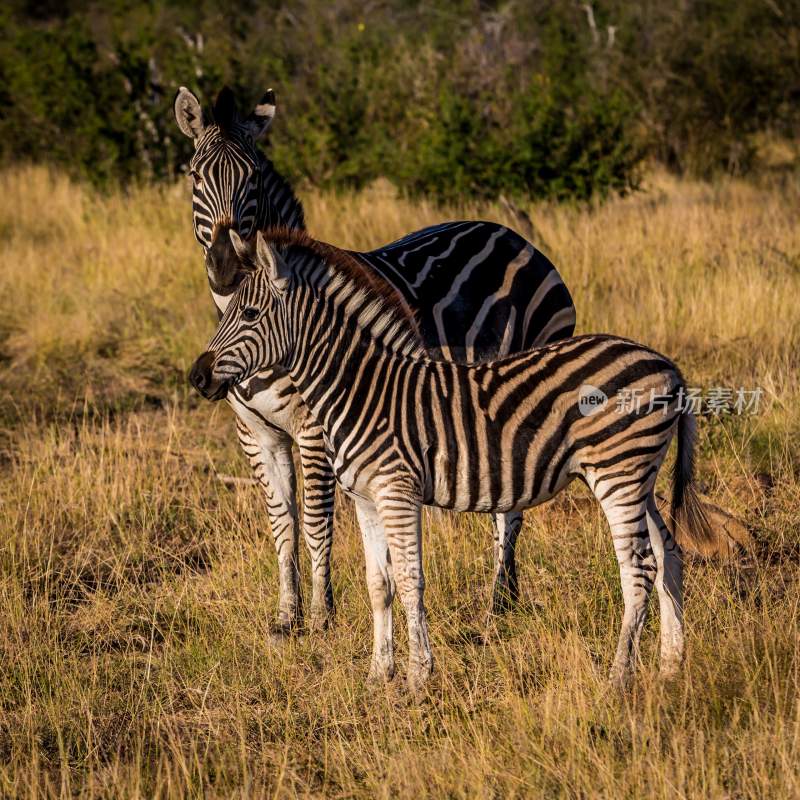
x: 136, y: 590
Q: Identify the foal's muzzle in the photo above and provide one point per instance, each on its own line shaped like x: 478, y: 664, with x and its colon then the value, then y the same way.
x: 201, y: 376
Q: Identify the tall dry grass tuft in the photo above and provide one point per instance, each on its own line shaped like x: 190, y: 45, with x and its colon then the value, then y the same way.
x: 137, y: 591
x: 101, y: 297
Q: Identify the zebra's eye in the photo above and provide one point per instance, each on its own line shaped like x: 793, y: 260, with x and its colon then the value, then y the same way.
x: 196, y: 179
x: 250, y: 314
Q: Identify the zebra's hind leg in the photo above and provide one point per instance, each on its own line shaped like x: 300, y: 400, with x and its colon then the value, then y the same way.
x: 669, y: 585
x: 270, y: 455
x: 627, y: 516
x: 319, y: 485
x: 380, y: 584
x: 505, y: 593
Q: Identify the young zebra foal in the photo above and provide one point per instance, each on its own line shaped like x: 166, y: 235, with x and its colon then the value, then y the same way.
x: 403, y: 430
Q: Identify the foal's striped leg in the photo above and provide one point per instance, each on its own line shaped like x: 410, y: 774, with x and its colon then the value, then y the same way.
x: 400, y: 512
x: 669, y: 584
x: 380, y: 583
x: 270, y: 456
x: 506, y: 589
x: 319, y: 485
x: 627, y: 517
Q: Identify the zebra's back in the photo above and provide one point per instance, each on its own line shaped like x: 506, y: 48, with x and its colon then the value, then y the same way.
x: 480, y: 289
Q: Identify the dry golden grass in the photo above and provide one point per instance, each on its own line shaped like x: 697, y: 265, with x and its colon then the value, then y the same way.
x: 136, y: 591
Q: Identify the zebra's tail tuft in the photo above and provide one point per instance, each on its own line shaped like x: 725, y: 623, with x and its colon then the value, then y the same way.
x: 689, y: 520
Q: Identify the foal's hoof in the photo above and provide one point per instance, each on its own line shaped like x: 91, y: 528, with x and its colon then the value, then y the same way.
x: 670, y: 671
x: 505, y: 592
x: 380, y: 676
x: 620, y: 681
x: 320, y: 620
x: 281, y: 632
x: 504, y: 599
x: 417, y: 679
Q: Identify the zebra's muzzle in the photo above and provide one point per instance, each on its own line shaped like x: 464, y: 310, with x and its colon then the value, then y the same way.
x: 201, y: 376
x: 225, y: 271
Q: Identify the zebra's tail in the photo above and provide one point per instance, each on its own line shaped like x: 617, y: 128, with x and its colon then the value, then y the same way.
x: 689, y: 520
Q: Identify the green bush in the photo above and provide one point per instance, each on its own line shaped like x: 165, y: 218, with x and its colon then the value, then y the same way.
x: 459, y: 100
x: 709, y: 74
x: 551, y: 146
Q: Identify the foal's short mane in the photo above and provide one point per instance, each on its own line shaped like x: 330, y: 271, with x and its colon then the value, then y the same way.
x: 346, y: 263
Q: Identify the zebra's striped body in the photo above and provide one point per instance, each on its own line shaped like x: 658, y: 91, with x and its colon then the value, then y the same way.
x: 403, y: 430
x: 478, y: 288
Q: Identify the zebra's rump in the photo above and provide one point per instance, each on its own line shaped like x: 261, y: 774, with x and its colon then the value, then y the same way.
x: 480, y: 290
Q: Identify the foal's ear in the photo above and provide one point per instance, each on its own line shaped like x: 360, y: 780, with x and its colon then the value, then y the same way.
x: 270, y: 260
x: 188, y: 114
x: 239, y: 246
x: 261, y: 118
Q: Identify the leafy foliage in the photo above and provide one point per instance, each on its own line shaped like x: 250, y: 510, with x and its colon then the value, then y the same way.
x: 455, y: 100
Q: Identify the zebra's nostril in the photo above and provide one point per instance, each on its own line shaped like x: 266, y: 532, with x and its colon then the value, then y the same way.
x: 196, y: 378
x: 200, y: 373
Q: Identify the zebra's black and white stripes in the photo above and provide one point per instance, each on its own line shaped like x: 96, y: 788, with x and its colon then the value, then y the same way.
x: 232, y: 181
x: 403, y: 430
x: 479, y: 289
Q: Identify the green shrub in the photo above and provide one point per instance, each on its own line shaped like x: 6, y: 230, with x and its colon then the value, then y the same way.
x: 459, y: 100
x: 550, y: 147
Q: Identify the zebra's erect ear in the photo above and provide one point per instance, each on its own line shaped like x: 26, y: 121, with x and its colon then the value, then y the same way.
x: 269, y: 259
x: 261, y: 118
x: 188, y: 113
x: 240, y: 246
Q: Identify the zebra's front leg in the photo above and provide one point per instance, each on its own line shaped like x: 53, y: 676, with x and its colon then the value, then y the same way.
x: 270, y: 454
x: 505, y: 593
x: 401, y: 518
x: 381, y: 586
x: 319, y: 485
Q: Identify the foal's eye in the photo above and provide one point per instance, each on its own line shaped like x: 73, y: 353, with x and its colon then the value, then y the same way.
x: 250, y: 314
x: 195, y: 175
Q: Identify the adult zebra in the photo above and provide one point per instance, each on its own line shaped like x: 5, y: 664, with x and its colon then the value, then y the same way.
x: 403, y: 430
x: 479, y: 289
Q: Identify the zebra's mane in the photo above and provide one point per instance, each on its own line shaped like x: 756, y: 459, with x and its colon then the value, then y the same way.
x: 225, y: 112
x: 387, y: 316
x: 278, y: 185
